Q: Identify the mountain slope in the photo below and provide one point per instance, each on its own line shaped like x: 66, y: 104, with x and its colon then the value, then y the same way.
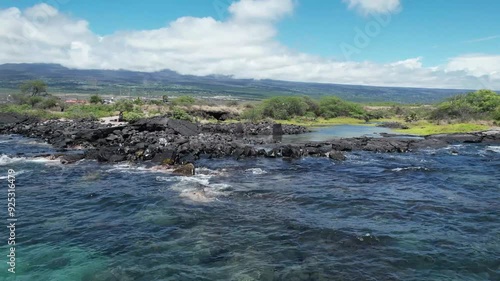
x: 62, y: 79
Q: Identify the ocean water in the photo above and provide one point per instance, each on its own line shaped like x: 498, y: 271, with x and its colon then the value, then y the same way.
x: 429, y: 215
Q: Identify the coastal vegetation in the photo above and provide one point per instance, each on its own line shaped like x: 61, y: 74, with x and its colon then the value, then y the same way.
x: 472, y: 111
x: 34, y: 87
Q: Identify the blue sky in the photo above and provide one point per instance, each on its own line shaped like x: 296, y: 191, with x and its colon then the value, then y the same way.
x: 434, y: 34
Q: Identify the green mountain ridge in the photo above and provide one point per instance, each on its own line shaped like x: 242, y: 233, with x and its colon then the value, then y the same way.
x: 65, y: 80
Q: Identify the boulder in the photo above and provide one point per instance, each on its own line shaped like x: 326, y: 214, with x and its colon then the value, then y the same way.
x: 277, y: 130
x: 71, y: 158
x: 336, y: 155
x: 291, y: 151
x: 427, y: 144
x: 457, y: 138
x: 109, y: 154
x: 117, y: 158
x: 387, y: 145
x: 184, y: 128
x: 185, y: 170
x: 12, y: 118
x: 239, y: 130
x: 162, y: 123
x: 168, y: 157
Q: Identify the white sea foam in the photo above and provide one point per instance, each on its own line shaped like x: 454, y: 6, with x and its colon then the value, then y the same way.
x: 130, y: 169
x: 256, y: 171
x: 6, y: 160
x: 410, y: 169
x: 16, y: 174
x: 198, y: 189
x: 454, y: 146
x: 493, y: 148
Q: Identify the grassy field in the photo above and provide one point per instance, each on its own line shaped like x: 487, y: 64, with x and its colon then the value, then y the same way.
x: 426, y: 128
x: 421, y: 128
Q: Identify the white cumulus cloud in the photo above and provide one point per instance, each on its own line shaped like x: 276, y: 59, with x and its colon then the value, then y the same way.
x: 243, y: 46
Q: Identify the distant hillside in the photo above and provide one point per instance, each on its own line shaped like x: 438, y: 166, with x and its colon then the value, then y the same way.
x: 62, y: 79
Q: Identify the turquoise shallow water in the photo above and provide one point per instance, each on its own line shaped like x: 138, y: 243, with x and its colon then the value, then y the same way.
x: 339, y: 131
x: 429, y: 215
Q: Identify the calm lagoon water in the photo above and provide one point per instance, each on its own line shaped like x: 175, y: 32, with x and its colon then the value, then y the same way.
x: 340, y: 131
x: 428, y: 215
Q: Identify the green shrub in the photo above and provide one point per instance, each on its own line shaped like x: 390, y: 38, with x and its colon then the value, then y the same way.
x: 15, y: 108
x: 48, y: 102
x: 252, y: 115
x: 232, y: 103
x: 313, y: 106
x: 132, y: 116
x: 138, y: 101
x: 496, y: 114
x: 20, y: 98
x: 124, y: 105
x: 96, y: 99
x: 26, y: 109
x: 184, y: 101
x: 155, y: 102
x: 92, y: 111
x: 284, y: 108
x: 34, y: 100
x: 180, y: 114
x: 481, y: 104
x: 331, y: 107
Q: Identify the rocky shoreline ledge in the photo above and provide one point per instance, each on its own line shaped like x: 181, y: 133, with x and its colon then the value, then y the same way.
x: 165, y: 141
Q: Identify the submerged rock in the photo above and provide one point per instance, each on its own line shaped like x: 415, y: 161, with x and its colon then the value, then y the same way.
x: 196, y: 196
x: 185, y: 170
x: 71, y: 158
x: 336, y: 155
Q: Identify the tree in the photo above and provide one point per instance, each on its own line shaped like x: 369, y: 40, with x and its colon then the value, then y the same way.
x: 34, y: 87
x: 96, y: 99
x: 164, y: 98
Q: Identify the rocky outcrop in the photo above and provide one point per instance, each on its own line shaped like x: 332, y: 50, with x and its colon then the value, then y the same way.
x: 336, y: 155
x: 166, y: 141
x: 185, y: 170
x: 71, y: 158
x: 255, y: 129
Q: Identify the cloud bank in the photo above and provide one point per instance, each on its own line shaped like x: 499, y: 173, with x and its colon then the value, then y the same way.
x: 244, y: 46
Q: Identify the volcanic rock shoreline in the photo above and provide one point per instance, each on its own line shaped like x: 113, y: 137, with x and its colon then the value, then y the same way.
x: 169, y: 142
